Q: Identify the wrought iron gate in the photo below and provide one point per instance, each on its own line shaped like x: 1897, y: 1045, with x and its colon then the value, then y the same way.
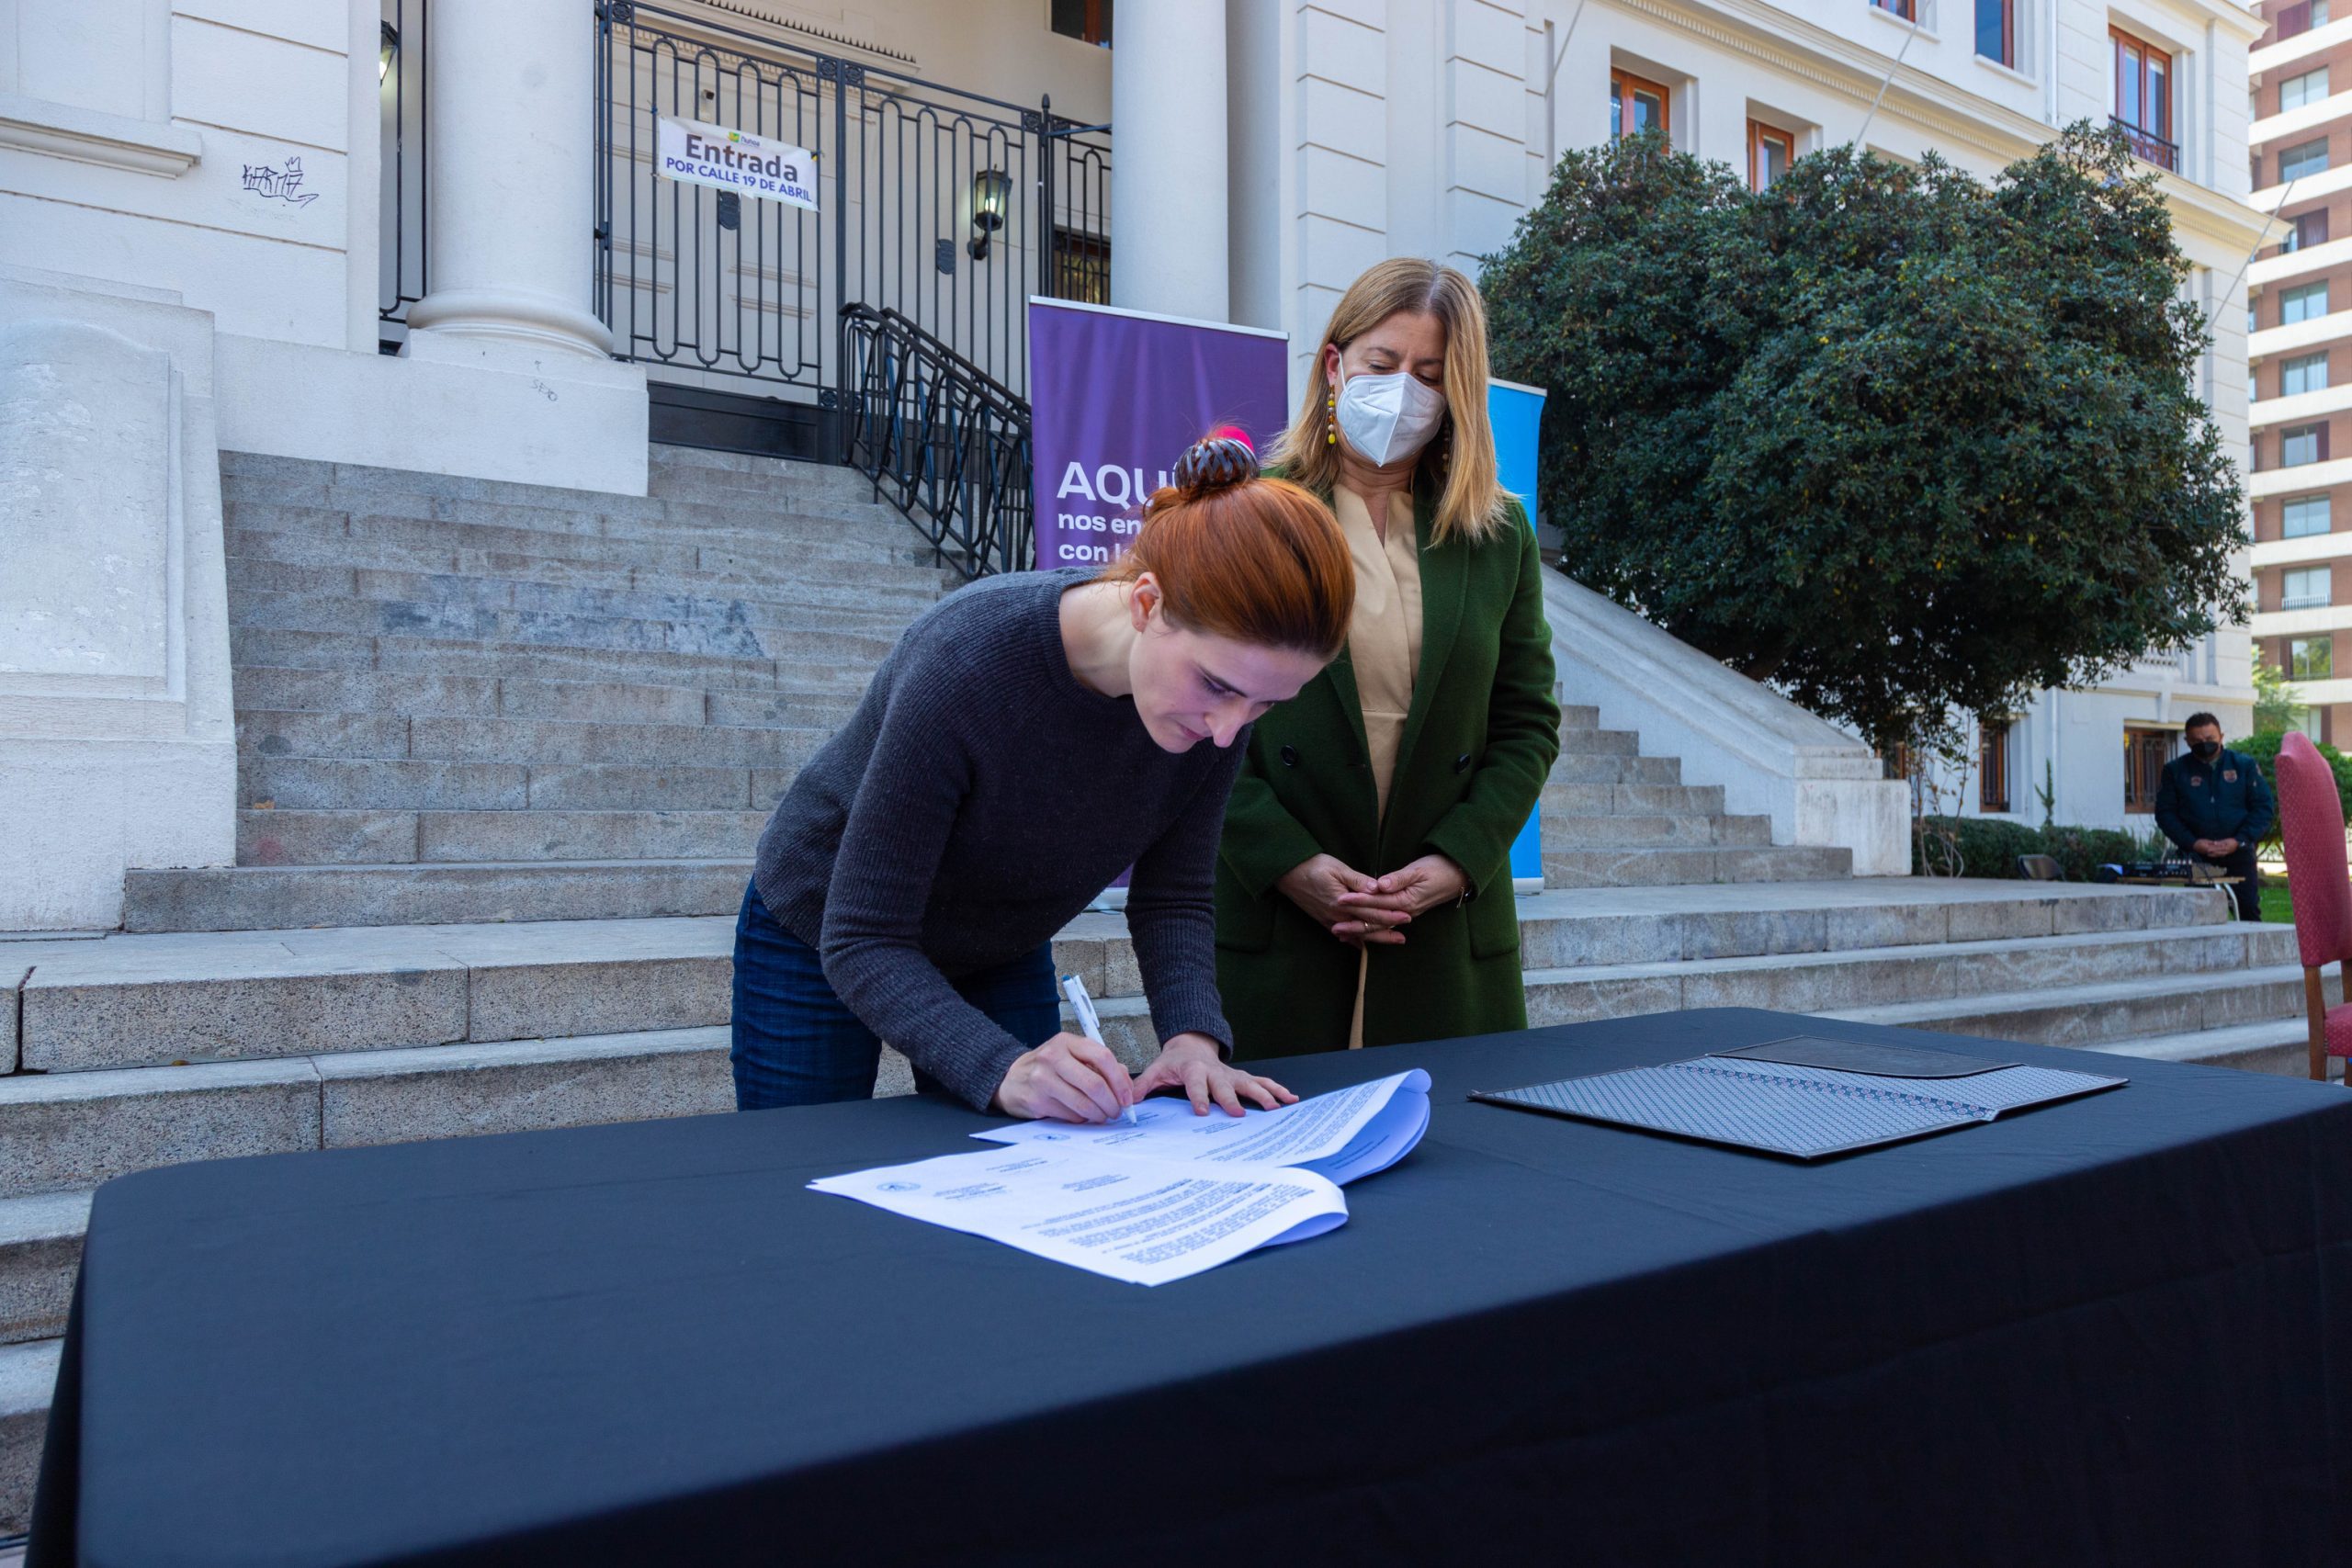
x: 946, y: 208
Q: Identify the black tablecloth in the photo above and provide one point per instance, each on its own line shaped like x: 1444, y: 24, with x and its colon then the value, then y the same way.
x: 2110, y: 1331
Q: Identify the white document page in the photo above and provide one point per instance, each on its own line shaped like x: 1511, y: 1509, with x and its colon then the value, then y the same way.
x: 1343, y: 1135
x: 1141, y: 1222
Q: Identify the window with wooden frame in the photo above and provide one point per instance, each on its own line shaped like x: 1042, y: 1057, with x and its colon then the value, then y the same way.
x: 1088, y: 21
x: 1993, y: 765
x: 1081, y: 266
x: 1997, y: 31
x: 2145, y: 753
x: 2143, y: 98
x: 1771, y: 150
x: 1908, y: 10
x: 1636, y: 105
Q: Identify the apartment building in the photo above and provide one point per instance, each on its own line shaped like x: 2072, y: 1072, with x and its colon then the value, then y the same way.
x: 2299, y: 355
x: 1980, y: 83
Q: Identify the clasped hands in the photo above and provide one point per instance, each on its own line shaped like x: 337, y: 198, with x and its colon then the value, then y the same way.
x: 2214, y: 849
x: 1072, y: 1078
x: 1361, y: 909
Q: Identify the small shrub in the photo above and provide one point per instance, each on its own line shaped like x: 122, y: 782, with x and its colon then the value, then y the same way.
x: 1989, y: 847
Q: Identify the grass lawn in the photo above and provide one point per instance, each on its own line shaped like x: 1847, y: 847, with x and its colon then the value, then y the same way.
x: 2275, y: 906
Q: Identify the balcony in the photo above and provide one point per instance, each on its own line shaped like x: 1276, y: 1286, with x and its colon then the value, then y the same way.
x: 2148, y: 147
x: 2293, y: 48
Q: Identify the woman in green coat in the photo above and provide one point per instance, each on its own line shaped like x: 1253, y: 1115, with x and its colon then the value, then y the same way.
x: 1363, y: 890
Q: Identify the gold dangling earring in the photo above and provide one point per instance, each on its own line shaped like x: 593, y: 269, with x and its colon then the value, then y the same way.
x: 1330, y: 417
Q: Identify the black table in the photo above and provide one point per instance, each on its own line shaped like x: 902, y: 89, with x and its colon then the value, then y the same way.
x: 2097, y: 1333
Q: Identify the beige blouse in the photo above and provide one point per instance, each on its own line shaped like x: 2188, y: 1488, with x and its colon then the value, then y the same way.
x: 1384, y: 649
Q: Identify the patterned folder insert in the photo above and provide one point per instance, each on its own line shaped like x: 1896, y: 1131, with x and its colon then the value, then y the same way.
x: 1803, y: 1112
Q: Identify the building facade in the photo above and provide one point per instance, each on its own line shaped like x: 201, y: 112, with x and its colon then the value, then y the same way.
x: 2300, y: 361
x: 431, y: 235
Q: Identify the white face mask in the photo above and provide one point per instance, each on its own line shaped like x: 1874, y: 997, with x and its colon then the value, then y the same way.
x: 1388, y: 418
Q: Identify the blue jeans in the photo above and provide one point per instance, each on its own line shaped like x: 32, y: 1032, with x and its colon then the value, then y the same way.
x: 797, y: 1044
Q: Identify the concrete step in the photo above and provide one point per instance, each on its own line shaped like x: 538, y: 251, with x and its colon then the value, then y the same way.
x: 27, y: 1373
x: 1593, y: 743
x: 711, y: 512
x: 396, y: 838
x: 724, y: 632
x: 1587, y: 767
x: 160, y: 1000
x: 1938, y: 974
x: 1606, y: 799
x: 813, y: 482
x: 568, y: 702
x: 786, y: 601
x: 267, y: 734
x: 1675, y: 866
x: 325, y: 540
x: 424, y: 784
x: 353, y: 652
x: 126, y: 999
x: 2110, y: 1011
x: 40, y: 1248
x: 67, y: 1132
x: 283, y: 897
x: 143, y: 1000
x: 686, y: 543
x: 267, y: 689
x: 1563, y: 829
x: 2273, y: 1045
x: 171, y: 999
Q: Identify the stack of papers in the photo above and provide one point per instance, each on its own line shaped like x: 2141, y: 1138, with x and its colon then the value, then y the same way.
x: 1173, y: 1194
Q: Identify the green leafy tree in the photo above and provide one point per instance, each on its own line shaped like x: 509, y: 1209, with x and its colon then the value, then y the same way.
x: 1896, y: 440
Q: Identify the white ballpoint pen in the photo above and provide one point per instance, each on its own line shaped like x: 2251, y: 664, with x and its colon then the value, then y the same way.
x: 1074, y: 988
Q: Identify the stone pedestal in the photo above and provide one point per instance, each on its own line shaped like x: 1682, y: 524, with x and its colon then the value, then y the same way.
x: 1168, y: 181
x: 117, y: 737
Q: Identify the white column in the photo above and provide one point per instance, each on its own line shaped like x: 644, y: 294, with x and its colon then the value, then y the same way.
x: 513, y: 203
x: 1168, y: 162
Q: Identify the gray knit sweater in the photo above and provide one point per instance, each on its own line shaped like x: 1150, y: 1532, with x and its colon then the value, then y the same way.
x: 976, y: 801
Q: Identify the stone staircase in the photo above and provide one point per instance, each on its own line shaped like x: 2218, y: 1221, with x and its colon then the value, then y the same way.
x: 504, y: 751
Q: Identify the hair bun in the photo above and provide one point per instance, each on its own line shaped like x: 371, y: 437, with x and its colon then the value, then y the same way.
x: 1218, y: 461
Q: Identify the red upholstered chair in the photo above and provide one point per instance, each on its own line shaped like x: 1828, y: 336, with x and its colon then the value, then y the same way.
x: 2311, y: 818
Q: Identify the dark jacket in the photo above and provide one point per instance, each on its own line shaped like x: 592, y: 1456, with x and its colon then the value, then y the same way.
x: 2226, y: 798
x: 1477, y: 748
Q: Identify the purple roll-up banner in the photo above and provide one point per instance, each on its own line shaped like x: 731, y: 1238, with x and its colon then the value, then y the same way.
x: 1115, y: 397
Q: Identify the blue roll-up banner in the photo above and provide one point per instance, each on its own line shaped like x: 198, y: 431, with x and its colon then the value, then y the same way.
x: 1517, y: 414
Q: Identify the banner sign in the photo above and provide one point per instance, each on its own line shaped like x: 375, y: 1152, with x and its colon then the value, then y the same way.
x: 1114, y: 399
x: 1517, y: 414
x: 695, y: 153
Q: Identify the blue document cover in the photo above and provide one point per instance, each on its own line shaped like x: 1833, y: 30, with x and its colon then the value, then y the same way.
x: 1798, y: 1110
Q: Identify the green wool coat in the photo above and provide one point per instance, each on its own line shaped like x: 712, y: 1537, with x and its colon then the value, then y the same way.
x: 1478, y: 746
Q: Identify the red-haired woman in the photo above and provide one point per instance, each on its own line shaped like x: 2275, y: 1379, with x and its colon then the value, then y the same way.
x: 1030, y: 737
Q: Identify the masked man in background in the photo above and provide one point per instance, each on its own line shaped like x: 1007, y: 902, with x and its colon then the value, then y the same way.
x: 2215, y: 805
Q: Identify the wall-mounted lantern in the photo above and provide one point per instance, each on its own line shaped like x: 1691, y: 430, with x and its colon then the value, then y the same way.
x: 992, y: 189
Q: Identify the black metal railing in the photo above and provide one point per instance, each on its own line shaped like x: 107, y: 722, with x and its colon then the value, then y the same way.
x: 403, y: 210
x: 2147, y: 146
x: 944, y: 441
x: 946, y: 206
